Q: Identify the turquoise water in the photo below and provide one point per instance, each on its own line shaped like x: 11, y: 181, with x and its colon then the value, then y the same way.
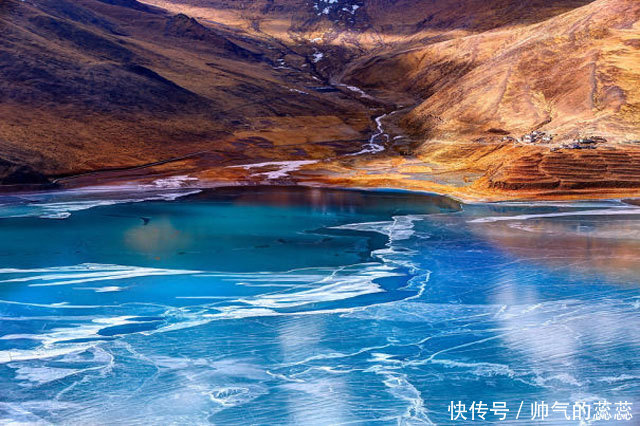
x: 309, y: 306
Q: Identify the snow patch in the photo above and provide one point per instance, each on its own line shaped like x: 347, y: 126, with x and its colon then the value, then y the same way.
x: 173, y: 182
x: 283, y: 167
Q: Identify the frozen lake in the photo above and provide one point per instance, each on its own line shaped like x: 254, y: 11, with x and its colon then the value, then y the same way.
x: 291, y: 305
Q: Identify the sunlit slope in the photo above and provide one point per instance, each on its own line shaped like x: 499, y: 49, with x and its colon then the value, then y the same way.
x: 574, y: 74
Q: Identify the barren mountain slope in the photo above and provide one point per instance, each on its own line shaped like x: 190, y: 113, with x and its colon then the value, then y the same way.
x: 382, y: 20
x: 575, y: 74
x: 347, y: 29
x: 89, y: 84
x: 200, y: 85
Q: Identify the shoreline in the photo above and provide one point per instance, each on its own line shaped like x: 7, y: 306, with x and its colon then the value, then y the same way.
x: 139, y: 188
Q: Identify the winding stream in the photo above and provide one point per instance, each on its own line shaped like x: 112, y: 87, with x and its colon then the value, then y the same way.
x: 373, y: 146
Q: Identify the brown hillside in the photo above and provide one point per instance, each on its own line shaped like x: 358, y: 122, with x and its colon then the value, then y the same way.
x: 574, y: 74
x: 89, y: 85
x: 123, y: 90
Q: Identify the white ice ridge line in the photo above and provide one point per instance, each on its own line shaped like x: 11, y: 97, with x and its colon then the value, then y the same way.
x: 63, y: 209
x: 86, y: 272
x: 598, y: 212
x: 333, y: 287
x: 50, y: 340
x: 567, y: 204
x: 399, y: 228
x: 285, y: 167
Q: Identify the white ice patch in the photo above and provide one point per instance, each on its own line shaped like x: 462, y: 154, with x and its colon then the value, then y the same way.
x: 401, y: 228
x: 326, y: 7
x: 108, y: 289
x: 599, y: 212
x: 357, y: 90
x: 173, y: 182
x: 295, y: 292
x: 83, y: 273
x: 61, y: 204
x: 306, y: 288
x: 564, y: 204
x: 232, y: 396
x: 53, y: 342
x: 42, y: 375
x: 298, y: 91
x: 283, y: 167
x: 281, y: 64
x: 63, y: 210
x: 337, y: 286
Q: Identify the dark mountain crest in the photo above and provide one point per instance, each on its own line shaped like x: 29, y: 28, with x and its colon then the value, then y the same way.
x: 64, y: 9
x: 183, y: 26
x: 89, y: 42
x: 145, y: 72
x: 131, y: 4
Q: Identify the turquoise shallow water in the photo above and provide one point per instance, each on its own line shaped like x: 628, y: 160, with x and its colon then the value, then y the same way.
x: 309, y: 306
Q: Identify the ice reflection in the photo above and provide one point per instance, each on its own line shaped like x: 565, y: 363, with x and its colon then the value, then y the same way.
x: 574, y: 334
x: 314, y: 393
x: 157, y: 237
x: 605, y: 247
